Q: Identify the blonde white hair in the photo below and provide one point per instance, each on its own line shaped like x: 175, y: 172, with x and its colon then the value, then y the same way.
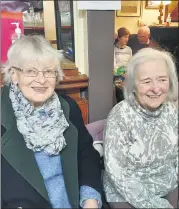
x: 31, y: 49
x: 142, y: 56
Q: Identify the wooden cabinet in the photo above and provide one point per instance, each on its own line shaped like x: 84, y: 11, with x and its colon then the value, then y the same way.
x: 72, y: 85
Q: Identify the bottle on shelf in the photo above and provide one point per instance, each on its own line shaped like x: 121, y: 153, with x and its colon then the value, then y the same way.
x: 168, y: 20
x: 17, y: 33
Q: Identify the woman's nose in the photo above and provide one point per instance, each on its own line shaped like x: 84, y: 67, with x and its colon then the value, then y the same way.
x: 155, y: 88
x: 41, y: 78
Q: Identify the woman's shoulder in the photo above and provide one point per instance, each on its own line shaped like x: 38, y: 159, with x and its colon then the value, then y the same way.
x: 128, y: 48
x: 120, y: 110
x: 75, y: 115
x: 71, y: 102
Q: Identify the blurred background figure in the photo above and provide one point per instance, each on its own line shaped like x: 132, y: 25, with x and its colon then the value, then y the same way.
x: 142, y: 40
x: 122, y: 55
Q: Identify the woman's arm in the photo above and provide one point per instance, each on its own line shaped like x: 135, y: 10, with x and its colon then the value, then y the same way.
x: 89, y: 168
x: 116, y: 166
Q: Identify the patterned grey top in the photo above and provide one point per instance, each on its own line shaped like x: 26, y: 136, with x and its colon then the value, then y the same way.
x: 141, y: 154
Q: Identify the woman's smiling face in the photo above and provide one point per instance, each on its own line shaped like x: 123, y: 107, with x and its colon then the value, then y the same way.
x: 39, y: 88
x: 152, y: 84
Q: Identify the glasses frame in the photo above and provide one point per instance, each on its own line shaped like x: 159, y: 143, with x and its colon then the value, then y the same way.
x: 43, y: 71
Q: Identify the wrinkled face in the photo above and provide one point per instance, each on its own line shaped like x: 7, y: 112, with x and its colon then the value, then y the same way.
x: 143, y: 37
x: 123, y: 40
x: 37, y: 89
x: 152, y: 84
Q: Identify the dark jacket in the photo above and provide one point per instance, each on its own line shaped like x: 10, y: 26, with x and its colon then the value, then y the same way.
x: 136, y: 45
x: 22, y: 183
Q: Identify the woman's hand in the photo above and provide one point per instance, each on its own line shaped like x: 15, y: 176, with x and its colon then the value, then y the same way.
x: 90, y: 203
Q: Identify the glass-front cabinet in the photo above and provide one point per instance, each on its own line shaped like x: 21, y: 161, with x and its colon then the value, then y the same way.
x: 65, y: 27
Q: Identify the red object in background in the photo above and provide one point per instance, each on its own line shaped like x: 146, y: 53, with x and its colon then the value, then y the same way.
x: 174, y: 14
x: 7, y: 29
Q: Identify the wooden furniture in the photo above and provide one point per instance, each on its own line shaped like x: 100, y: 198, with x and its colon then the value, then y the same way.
x: 72, y: 85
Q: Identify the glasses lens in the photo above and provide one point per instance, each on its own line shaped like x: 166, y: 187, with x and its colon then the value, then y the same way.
x: 29, y: 72
x: 50, y: 73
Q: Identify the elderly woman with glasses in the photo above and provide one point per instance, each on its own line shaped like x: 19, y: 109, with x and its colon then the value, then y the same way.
x: 48, y: 160
x: 141, y: 136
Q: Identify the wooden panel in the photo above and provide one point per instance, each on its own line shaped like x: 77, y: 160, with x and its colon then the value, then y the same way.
x: 1, y: 80
x: 67, y: 64
x: 71, y: 86
x: 83, y: 104
x: 70, y: 72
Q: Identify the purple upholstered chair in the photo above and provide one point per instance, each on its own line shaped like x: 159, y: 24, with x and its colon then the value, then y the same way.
x: 96, y: 131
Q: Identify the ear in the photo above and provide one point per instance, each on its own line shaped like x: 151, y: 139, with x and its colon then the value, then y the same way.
x: 149, y: 35
x: 14, y: 76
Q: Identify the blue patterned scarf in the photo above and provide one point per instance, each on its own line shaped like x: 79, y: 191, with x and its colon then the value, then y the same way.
x: 42, y: 127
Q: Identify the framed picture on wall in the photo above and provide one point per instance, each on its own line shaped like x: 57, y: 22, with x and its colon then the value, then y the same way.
x: 129, y: 9
x: 151, y: 5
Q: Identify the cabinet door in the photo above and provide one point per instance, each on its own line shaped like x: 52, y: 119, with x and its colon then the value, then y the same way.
x: 65, y: 27
x: 33, y: 19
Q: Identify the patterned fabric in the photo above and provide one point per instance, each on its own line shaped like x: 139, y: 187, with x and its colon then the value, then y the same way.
x: 140, y: 155
x: 121, y: 56
x: 42, y: 127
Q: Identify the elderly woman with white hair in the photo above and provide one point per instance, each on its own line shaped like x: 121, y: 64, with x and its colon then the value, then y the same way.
x: 48, y: 160
x: 141, y: 136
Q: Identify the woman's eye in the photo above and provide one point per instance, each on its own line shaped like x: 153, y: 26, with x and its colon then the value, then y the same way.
x: 30, y: 71
x: 146, y: 82
x: 49, y: 71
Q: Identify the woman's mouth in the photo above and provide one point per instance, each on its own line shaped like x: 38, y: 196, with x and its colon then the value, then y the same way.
x: 40, y: 89
x: 153, y: 96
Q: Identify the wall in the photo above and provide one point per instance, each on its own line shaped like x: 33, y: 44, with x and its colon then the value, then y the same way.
x: 49, y: 21
x: 148, y: 16
x: 81, y: 39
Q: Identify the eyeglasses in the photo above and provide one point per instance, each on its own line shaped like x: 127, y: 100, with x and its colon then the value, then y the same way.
x: 32, y: 72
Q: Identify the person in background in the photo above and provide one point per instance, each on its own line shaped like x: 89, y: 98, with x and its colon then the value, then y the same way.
x: 122, y: 55
x: 142, y: 40
x: 141, y: 136
x: 48, y: 160
x: 122, y: 52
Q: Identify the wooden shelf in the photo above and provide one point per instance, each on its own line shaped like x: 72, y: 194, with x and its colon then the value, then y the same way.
x: 34, y: 28
x: 66, y: 27
x: 73, y: 82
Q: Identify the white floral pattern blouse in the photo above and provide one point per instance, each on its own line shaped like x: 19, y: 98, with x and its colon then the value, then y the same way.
x: 140, y: 155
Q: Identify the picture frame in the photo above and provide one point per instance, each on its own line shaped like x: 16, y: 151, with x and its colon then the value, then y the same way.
x: 149, y: 5
x: 129, y: 9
